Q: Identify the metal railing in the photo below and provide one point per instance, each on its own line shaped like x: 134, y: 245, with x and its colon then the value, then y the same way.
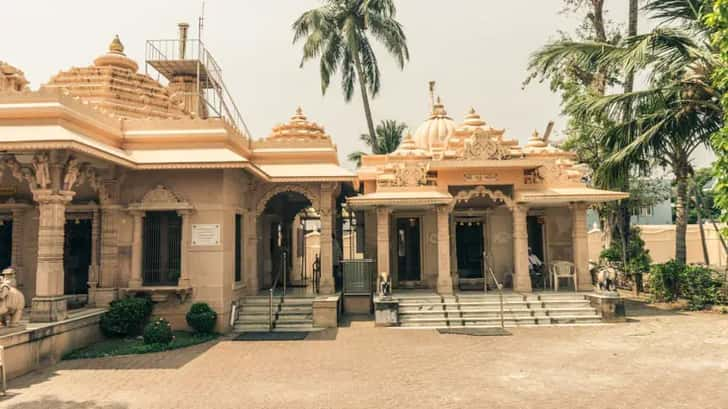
x: 498, y: 287
x: 283, y: 272
x: 210, y: 86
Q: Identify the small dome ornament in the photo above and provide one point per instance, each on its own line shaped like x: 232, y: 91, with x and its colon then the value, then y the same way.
x: 536, y: 141
x: 116, y: 46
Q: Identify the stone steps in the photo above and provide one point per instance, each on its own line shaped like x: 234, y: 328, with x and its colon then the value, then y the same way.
x: 289, y: 314
x: 483, y: 310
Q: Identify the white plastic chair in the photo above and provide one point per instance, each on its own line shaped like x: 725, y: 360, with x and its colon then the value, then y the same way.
x: 563, y: 269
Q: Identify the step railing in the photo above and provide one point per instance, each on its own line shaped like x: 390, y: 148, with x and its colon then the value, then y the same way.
x: 282, y: 272
x: 498, y: 286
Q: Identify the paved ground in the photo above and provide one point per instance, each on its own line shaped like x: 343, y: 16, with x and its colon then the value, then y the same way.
x: 663, y: 359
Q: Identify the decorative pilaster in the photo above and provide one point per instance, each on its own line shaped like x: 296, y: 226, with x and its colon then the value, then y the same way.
x: 135, y: 281
x: 106, y: 290
x: 49, y: 303
x: 579, y: 241
x: 521, y: 278
x: 326, y: 286
x: 444, y: 278
x: 382, y: 240
x: 251, y: 253
x: 184, y: 277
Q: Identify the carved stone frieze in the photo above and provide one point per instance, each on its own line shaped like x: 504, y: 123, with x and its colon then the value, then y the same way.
x: 482, y: 191
x: 482, y: 146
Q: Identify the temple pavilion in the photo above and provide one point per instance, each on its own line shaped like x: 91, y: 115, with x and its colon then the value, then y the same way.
x: 115, y: 184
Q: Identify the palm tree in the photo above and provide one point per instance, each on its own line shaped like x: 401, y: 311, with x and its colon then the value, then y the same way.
x: 338, y: 34
x: 388, y: 135
x: 677, y: 113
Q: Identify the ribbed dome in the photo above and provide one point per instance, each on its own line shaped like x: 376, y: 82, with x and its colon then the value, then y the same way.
x: 437, y: 128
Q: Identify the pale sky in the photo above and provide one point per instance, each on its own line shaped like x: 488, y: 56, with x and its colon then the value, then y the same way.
x: 476, y: 50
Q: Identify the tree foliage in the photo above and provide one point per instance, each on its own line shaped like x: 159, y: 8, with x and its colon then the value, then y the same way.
x: 387, y: 137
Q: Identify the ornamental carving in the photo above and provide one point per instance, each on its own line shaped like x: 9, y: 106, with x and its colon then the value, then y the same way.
x: 410, y: 174
x: 481, y: 191
x: 160, y: 198
x: 481, y: 146
x: 304, y: 190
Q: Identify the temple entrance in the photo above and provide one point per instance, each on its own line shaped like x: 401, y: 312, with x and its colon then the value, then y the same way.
x: 469, y: 241
x: 77, y: 256
x: 6, y: 243
x: 287, y: 222
x: 408, y: 249
x: 539, y: 274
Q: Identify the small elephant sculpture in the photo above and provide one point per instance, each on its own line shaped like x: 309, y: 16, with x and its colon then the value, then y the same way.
x: 12, y: 301
x: 384, y: 284
x: 607, y: 279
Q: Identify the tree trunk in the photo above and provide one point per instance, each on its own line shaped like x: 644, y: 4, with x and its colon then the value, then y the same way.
x: 624, y: 205
x: 699, y: 212
x: 681, y: 220
x: 364, y: 95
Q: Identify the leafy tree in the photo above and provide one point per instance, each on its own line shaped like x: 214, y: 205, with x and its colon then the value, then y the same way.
x: 718, y: 21
x: 386, y: 139
x: 338, y: 34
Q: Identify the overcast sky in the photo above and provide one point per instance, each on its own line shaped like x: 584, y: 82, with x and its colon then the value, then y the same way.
x: 476, y: 50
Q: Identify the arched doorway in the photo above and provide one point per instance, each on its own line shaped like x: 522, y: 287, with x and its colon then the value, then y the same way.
x: 288, y: 224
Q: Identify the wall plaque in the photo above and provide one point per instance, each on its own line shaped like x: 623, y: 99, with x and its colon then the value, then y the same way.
x: 205, y: 234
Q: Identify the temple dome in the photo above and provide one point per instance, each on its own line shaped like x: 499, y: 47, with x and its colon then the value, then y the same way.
x: 437, y: 128
x: 113, y: 85
x: 298, y: 128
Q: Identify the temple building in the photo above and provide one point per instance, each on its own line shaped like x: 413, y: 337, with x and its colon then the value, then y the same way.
x: 114, y: 184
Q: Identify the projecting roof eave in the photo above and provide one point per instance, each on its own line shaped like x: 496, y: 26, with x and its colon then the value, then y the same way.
x: 399, y: 199
x: 568, y: 195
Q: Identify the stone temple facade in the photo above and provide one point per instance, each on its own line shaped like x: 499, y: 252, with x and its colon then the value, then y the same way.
x: 113, y: 184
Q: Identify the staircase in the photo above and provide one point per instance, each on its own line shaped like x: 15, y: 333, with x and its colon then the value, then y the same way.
x: 294, y: 313
x: 483, y: 310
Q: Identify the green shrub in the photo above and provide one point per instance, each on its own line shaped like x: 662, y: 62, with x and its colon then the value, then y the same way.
x: 665, y: 280
x: 201, y: 317
x: 158, y: 332
x: 700, y: 287
x: 638, y: 258
x: 126, y: 317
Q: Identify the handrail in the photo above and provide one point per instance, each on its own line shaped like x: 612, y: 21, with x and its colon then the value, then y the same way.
x: 498, y: 286
x: 272, y: 289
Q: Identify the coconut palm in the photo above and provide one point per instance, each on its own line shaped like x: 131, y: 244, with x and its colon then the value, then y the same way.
x: 387, y: 137
x: 339, y: 32
x: 676, y: 114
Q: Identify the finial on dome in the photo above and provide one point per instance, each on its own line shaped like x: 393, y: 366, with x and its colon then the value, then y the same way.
x: 299, y: 115
x: 116, y: 46
x: 471, y: 111
x: 536, y: 141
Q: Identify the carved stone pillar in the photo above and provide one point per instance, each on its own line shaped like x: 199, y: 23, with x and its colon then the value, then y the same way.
x: 444, y: 278
x: 579, y: 239
x: 326, y: 286
x: 383, y: 240
x: 184, y: 265
x: 49, y: 303
x: 135, y: 281
x: 521, y: 278
x: 109, y: 260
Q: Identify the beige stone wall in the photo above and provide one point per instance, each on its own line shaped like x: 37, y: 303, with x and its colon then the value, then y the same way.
x: 660, y: 241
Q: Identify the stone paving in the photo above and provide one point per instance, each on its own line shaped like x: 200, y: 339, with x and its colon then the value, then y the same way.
x: 663, y: 359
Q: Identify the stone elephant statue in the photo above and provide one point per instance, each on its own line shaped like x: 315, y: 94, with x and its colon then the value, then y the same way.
x: 12, y: 303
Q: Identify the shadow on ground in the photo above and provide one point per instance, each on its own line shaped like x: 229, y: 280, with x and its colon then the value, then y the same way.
x: 640, y: 307
x: 48, y: 402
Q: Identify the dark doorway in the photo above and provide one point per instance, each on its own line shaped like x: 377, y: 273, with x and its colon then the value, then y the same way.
x: 469, y: 242
x: 77, y: 256
x: 162, y: 248
x: 535, y: 235
x: 408, y: 249
x: 6, y: 243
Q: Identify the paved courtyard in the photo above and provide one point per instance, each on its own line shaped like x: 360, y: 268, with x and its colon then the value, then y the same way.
x: 663, y: 359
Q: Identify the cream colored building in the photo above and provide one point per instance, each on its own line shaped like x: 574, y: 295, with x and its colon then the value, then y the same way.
x: 455, y: 200
x: 113, y: 184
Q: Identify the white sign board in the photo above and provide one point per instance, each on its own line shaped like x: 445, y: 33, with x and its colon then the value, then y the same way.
x: 205, y: 234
